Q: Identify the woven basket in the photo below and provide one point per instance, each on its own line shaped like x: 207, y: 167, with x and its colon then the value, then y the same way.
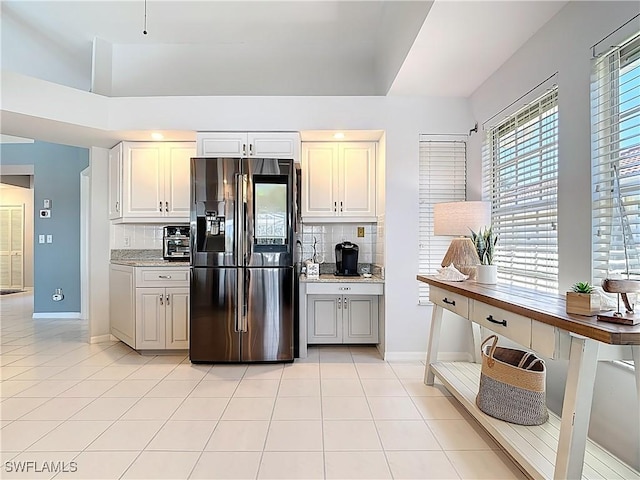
x: 512, y: 385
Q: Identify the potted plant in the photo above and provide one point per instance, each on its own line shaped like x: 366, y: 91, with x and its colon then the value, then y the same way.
x: 485, y: 242
x: 583, y: 300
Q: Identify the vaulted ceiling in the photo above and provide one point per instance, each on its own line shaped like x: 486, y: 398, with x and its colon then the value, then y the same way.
x: 442, y: 48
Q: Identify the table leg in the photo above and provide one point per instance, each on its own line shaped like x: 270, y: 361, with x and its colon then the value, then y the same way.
x: 635, y: 352
x: 576, y: 408
x: 434, y: 341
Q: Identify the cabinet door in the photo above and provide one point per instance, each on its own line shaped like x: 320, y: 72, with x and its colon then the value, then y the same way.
x: 222, y: 144
x: 143, y: 180
x: 115, y: 182
x: 324, y: 319
x: 177, y: 318
x: 357, y: 174
x: 360, y: 319
x: 150, y: 318
x: 177, y: 179
x: 122, y: 313
x: 274, y: 145
x: 319, y: 180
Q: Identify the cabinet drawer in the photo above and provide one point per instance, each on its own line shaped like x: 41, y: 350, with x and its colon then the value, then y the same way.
x: 450, y: 301
x: 162, y: 277
x: 342, y: 288
x: 511, y: 325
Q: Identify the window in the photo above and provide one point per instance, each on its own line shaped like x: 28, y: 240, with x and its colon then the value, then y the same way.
x: 442, y: 178
x: 520, y: 172
x: 615, y: 135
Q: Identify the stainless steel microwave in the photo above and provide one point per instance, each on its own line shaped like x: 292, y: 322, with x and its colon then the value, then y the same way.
x: 175, y: 244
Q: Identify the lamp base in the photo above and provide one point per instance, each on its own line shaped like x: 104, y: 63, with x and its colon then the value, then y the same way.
x: 462, y: 253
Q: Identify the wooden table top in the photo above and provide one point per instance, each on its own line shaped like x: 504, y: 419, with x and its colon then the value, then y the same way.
x: 549, y: 308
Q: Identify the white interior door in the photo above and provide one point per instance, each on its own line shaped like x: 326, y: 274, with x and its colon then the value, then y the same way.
x: 11, y: 246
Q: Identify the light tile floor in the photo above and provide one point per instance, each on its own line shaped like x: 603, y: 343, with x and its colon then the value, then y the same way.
x: 104, y: 411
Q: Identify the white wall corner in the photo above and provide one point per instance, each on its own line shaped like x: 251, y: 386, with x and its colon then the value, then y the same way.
x: 103, y: 338
x: 101, y: 67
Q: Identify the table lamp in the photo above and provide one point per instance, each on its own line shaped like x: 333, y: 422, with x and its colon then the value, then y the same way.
x: 459, y: 218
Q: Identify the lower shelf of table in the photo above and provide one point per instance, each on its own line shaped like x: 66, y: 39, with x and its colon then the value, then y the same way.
x: 534, y: 448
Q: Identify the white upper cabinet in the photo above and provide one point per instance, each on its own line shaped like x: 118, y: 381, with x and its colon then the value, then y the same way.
x: 155, y: 181
x: 338, y: 181
x: 115, y: 182
x: 249, y: 144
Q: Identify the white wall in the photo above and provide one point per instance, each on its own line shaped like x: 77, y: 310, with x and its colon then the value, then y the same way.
x: 99, y: 245
x: 564, y: 45
x: 23, y: 196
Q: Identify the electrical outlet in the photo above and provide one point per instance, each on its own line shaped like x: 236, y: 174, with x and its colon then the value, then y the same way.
x: 361, y: 232
x: 127, y: 241
x: 49, y: 238
x: 46, y: 203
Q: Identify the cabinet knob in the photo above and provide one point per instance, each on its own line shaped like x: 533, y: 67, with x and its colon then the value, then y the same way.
x: 448, y: 302
x: 166, y: 206
x: 164, y: 276
x: 161, y: 302
x: 340, y: 205
x: 251, y: 149
x: 160, y: 207
x: 344, y: 288
x: 339, y: 303
x: 167, y: 299
x: 244, y: 149
x: 335, y: 206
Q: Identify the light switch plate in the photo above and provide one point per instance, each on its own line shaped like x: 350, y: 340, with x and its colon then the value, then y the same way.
x: 46, y: 203
x: 49, y: 238
x: 360, y: 232
x: 40, y: 238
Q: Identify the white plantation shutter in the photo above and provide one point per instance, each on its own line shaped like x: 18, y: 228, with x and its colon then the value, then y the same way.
x: 442, y: 178
x: 520, y: 176
x: 615, y: 150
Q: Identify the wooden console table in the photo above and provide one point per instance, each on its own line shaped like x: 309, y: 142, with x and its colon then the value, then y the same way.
x: 538, y: 321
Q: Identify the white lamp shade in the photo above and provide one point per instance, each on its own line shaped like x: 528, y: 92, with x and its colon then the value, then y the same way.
x: 459, y: 218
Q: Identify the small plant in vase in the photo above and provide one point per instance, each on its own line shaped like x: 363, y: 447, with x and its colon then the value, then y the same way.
x: 583, y: 299
x: 485, y: 242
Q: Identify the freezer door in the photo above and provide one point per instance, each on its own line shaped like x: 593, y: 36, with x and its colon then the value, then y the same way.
x: 268, y: 323
x: 214, y: 322
x: 214, y: 211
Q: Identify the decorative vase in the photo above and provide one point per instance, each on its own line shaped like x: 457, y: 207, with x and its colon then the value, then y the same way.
x: 583, y: 303
x: 487, y: 274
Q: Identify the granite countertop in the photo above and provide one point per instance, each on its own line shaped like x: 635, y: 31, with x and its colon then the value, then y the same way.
x: 331, y: 278
x: 149, y: 262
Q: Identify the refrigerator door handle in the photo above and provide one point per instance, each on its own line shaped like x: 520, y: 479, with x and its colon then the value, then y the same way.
x: 239, y: 320
x: 239, y: 220
x: 245, y: 295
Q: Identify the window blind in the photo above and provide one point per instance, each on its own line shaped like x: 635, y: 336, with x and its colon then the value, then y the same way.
x: 442, y: 178
x: 520, y: 179
x: 615, y: 151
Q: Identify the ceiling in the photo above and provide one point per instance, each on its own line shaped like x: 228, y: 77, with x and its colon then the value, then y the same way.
x: 442, y: 48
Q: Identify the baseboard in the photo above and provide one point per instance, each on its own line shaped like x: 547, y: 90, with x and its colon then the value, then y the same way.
x: 422, y: 356
x: 65, y: 315
x: 102, y: 338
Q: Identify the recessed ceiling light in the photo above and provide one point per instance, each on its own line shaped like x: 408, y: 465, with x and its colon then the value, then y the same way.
x: 157, y: 136
x: 338, y: 135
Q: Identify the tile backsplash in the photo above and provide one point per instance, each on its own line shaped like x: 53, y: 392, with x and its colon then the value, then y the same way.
x: 327, y: 235
x: 136, y: 236
x: 371, y: 246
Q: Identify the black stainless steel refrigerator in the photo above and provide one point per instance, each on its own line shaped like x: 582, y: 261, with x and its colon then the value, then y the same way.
x: 242, y: 260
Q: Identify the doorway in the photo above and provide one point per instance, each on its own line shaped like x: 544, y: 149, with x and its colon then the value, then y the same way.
x: 12, y: 246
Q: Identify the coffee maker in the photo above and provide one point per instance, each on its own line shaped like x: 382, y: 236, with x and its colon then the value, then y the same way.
x: 347, y: 259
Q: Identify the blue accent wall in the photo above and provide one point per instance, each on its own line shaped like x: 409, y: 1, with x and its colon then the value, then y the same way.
x: 56, y: 177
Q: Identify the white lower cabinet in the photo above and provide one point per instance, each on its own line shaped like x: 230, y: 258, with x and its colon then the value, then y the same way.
x: 150, y: 307
x: 336, y: 318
